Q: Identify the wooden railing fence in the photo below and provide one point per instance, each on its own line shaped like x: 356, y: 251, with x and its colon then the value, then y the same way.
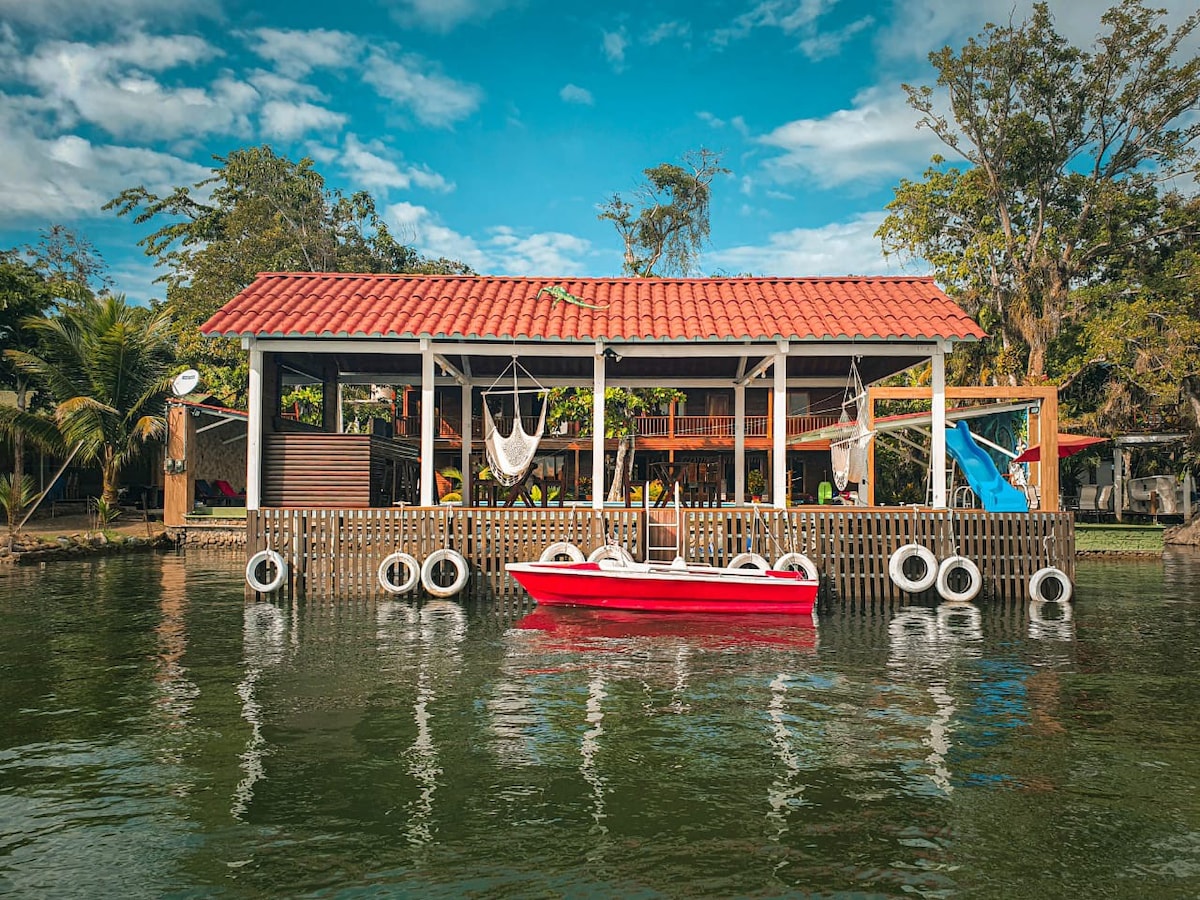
x: 334, y: 554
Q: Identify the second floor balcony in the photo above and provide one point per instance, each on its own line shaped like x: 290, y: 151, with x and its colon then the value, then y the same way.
x: 717, y: 431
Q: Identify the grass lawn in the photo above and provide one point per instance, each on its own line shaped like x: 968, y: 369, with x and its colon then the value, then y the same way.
x: 1119, y: 538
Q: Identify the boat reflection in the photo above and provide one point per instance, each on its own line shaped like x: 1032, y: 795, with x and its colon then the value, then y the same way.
x: 570, y: 628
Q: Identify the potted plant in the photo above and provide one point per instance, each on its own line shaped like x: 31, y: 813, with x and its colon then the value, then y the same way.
x: 755, y: 484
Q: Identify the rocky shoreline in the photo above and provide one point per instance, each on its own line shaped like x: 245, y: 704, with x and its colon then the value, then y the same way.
x: 28, y: 549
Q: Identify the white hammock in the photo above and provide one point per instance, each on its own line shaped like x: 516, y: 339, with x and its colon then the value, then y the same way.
x: 511, y: 455
x: 848, y: 456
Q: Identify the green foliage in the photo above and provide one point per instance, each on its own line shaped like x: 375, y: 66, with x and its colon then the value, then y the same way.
x: 306, y: 398
x: 1066, y: 150
x: 108, y: 366
x: 15, y: 494
x: 105, y: 513
x: 622, y: 406
x: 755, y: 482
x: 666, y: 225
x: 263, y: 213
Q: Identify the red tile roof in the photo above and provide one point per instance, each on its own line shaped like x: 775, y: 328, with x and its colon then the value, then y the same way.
x: 303, y: 304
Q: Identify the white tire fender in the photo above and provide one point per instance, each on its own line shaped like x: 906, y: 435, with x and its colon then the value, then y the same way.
x: 800, y: 562
x: 461, y: 573
x: 271, y: 558
x: 560, y: 549
x: 749, y: 561
x: 610, y: 551
x: 974, y: 579
x: 408, y: 565
x: 903, y: 555
x: 1043, y: 578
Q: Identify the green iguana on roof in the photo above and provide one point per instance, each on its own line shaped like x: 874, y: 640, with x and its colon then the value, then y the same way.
x: 561, y: 293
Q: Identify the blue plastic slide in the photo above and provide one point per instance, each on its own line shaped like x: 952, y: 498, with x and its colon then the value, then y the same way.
x: 996, y: 494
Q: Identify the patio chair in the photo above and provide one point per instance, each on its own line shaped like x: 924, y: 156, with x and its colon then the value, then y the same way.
x: 1088, y: 497
x: 207, y: 494
x: 230, y: 495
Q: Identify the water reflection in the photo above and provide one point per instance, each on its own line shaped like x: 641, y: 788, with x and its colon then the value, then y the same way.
x: 429, y: 637
x: 1050, y: 620
x: 264, y: 637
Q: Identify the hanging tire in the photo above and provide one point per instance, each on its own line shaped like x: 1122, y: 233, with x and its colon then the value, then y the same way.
x: 610, y: 551
x: 901, y: 579
x: 799, y: 562
x: 271, y: 558
x: 456, y: 561
x: 946, y: 571
x: 555, y: 551
x: 1041, y: 586
x: 749, y: 561
x: 412, y: 573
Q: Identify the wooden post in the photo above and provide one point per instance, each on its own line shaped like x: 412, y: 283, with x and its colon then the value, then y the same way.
x: 465, y: 457
x: 1048, y: 468
x: 1118, y: 482
x: 179, y: 483
x: 870, y: 473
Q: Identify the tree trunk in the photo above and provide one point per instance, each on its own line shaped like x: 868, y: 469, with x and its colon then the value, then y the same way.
x: 17, y: 512
x: 111, y: 478
x: 616, y: 493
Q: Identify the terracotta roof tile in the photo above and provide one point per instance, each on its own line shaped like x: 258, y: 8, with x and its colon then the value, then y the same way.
x: 302, y: 304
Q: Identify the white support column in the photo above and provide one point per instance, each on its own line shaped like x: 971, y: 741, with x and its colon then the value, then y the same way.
x: 598, y: 428
x: 779, y: 430
x: 254, y: 430
x: 739, y: 444
x: 427, y: 423
x: 1118, y: 491
x: 341, y: 414
x: 938, y: 427
x: 465, y: 464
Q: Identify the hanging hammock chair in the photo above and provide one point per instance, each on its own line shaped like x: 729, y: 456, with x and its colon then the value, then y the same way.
x: 848, y: 457
x: 510, y: 456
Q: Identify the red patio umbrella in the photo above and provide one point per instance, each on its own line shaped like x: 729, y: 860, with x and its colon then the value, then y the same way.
x: 1068, y: 445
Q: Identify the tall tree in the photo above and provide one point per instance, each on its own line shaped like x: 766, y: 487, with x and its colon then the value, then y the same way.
x: 666, y: 225
x: 108, y: 366
x: 257, y: 212
x: 24, y: 296
x: 1067, y: 152
x: 622, y: 406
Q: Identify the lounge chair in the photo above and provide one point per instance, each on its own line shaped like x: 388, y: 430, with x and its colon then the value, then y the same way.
x: 232, y: 497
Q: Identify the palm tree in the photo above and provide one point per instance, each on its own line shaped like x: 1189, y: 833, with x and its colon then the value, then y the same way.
x: 108, y: 366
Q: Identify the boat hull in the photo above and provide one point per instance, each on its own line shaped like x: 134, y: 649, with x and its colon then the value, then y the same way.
x: 665, y: 588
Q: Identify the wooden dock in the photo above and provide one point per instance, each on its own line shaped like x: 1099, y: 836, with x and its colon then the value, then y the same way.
x: 334, y: 554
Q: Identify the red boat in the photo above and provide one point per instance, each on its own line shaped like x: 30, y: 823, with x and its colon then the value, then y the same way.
x: 666, y: 587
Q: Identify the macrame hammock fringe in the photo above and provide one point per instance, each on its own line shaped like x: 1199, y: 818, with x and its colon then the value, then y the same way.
x: 510, y: 456
x: 848, y: 457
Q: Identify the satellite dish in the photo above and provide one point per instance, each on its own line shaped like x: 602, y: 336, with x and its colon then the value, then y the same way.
x: 185, y: 382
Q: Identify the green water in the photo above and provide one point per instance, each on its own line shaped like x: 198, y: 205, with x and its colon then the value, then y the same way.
x: 159, y: 738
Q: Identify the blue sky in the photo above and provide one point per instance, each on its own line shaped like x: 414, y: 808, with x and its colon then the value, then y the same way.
x: 489, y: 130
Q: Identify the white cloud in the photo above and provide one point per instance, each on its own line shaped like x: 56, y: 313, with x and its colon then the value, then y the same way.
x: 573, y: 93
x: 68, y: 177
x: 444, y: 15
x: 875, y: 141
x: 296, y: 53
x: 64, y: 16
x: 919, y: 26
x: 614, y: 44
x: 665, y: 31
x: 737, y: 123
x: 288, y: 119
x: 799, y: 19
x: 504, y: 251
x: 368, y: 165
x: 109, y: 85
x: 838, y: 248
x: 413, y: 82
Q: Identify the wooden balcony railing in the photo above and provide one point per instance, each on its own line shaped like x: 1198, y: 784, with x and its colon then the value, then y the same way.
x: 663, y: 427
